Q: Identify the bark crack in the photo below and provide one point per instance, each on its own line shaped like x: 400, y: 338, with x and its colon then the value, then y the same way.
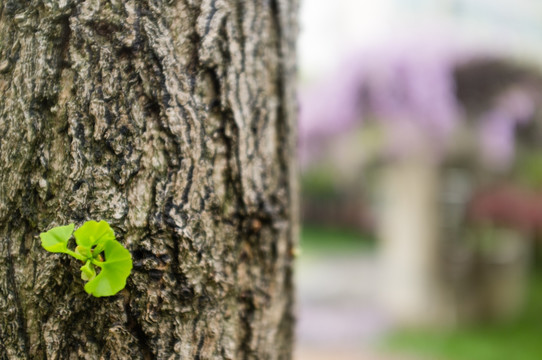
x: 136, y: 329
x: 21, y: 319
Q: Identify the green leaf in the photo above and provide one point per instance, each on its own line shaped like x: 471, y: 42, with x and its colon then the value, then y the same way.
x: 93, y: 233
x: 83, y: 251
x: 92, y: 239
x: 114, y: 270
x: 87, y: 271
x: 56, y: 239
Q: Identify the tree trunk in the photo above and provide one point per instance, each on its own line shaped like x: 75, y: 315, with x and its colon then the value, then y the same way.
x: 173, y: 121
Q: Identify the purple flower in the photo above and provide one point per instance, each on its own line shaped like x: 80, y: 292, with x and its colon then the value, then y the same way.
x: 409, y: 89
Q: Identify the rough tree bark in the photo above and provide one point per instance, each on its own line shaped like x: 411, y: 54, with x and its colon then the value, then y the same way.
x: 174, y: 121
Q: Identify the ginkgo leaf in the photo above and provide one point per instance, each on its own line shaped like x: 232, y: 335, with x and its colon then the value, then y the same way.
x: 56, y: 239
x: 114, y: 270
x: 93, y: 233
x: 87, y: 271
x: 94, y: 239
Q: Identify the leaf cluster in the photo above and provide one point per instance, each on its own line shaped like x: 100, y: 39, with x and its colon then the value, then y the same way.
x: 107, y: 264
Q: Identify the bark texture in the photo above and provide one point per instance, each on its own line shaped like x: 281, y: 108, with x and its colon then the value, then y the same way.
x: 173, y: 121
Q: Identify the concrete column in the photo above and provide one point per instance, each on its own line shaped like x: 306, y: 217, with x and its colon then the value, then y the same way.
x: 408, y: 226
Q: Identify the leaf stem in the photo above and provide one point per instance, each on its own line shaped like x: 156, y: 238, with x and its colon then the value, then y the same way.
x: 96, y: 262
x: 76, y: 255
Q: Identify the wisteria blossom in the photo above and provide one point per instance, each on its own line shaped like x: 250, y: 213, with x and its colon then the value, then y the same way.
x: 409, y: 89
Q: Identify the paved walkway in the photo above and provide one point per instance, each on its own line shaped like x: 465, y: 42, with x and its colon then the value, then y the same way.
x: 338, y: 313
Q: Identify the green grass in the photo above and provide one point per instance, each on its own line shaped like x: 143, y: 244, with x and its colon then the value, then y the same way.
x: 325, y: 240
x: 520, y: 340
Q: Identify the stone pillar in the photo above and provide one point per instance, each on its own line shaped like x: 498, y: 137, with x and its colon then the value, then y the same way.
x: 408, y: 227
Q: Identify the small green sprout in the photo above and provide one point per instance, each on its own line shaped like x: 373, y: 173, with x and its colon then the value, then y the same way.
x: 96, y: 246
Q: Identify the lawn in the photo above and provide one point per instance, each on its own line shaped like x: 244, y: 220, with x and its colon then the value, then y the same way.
x: 519, y: 340
x: 321, y: 240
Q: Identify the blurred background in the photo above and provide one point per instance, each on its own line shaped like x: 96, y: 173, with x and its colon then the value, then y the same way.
x: 420, y: 151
